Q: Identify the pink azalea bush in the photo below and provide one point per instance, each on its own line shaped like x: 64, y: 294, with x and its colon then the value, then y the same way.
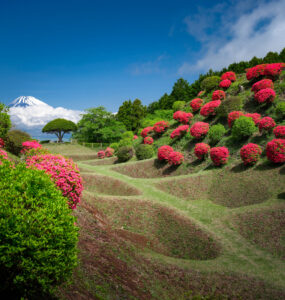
x: 266, y: 124
x: 182, y: 117
x: 279, y: 131
x: 201, y: 93
x: 265, y: 95
x: 199, y: 130
x: 160, y: 126
x: 196, y: 104
x: 274, y: 70
x: 101, y: 154
x: 179, y: 131
x: 275, y: 150
x: 109, y: 152
x: 218, y: 95
x: 229, y: 75
x: 254, y: 116
x: 234, y: 115
x: 255, y: 72
x: 250, y: 153
x: 209, y: 109
x: 135, y: 137
x: 262, y: 84
x: 225, y: 84
x: 30, y: 145
x: 2, y: 143
x: 201, y: 150
x: 148, y: 140
x: 3, y: 155
x: 175, y: 158
x: 63, y: 172
x: 146, y: 131
x: 219, y: 155
x: 163, y: 152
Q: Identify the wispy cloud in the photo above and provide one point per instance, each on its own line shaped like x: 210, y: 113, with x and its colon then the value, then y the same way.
x: 240, y: 34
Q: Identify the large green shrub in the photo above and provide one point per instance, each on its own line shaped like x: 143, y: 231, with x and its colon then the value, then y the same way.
x: 128, y: 135
x: 280, y: 110
x: 125, y: 142
x: 178, y: 105
x: 232, y: 103
x: 215, y: 133
x: 114, y: 146
x: 5, y: 122
x: 144, y: 151
x: 14, y: 140
x: 243, y: 127
x: 37, y: 234
x: 210, y: 83
x: 125, y: 153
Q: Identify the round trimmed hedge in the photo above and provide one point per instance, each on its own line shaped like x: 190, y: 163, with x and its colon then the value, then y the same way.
x: 210, y: 83
x: 125, y: 153
x: 144, y: 151
x: 38, y: 238
x: 243, y: 127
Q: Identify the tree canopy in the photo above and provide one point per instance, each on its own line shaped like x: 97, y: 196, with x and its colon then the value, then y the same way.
x: 5, y: 122
x: 59, y: 127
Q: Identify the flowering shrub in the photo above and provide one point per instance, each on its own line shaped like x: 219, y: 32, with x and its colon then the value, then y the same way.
x: 265, y: 95
x: 254, y: 116
x: 2, y: 143
x: 279, y: 131
x: 196, y: 104
x: 101, y: 154
x: 175, y: 158
x: 163, y: 152
x: 3, y: 155
x: 262, y: 84
x: 266, y: 124
x: 30, y: 145
x: 218, y: 95
x: 229, y: 75
x: 250, y: 153
x: 182, y: 116
x: 234, y: 115
x: 275, y: 150
x: 219, y: 155
x: 274, y: 70
x: 199, y: 129
x: 201, y: 93
x: 146, y: 131
x: 201, y: 150
x: 148, y: 140
x: 109, y: 152
x: 179, y: 131
x: 255, y: 72
x: 210, y: 108
x: 225, y: 84
x: 160, y: 126
x: 135, y: 137
x: 64, y: 173
x: 35, y: 151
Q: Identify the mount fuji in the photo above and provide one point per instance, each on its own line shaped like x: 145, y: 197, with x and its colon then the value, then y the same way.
x: 31, y: 114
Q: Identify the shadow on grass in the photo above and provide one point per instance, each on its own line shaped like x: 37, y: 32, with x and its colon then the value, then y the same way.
x: 282, y: 171
x: 159, y: 164
x: 267, y: 166
x: 170, y: 170
x: 281, y: 196
x: 195, y: 163
x: 240, y: 168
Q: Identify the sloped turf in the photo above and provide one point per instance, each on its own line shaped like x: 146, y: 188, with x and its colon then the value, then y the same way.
x: 102, y: 162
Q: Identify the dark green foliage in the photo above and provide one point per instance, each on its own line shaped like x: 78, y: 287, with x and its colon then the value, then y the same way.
x: 243, y: 127
x: 37, y: 234
x: 128, y: 135
x: 210, y: 83
x: 144, y: 151
x: 14, y: 140
x: 5, y: 122
x: 280, y: 110
x: 232, y: 103
x: 125, y: 153
x: 178, y: 105
x: 59, y: 127
x: 216, y: 133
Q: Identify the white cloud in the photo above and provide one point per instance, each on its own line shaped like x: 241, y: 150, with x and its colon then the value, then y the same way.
x: 240, y: 37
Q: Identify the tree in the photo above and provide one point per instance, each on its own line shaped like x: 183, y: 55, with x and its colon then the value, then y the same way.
x: 59, y: 127
x: 5, y: 122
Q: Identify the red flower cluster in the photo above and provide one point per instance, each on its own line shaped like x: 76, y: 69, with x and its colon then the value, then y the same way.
x: 2, y: 143
x: 182, y: 116
x: 219, y: 155
x: 146, y: 131
x: 279, y: 131
x: 225, y: 84
x: 275, y: 150
x: 28, y: 145
x: 164, y: 152
x: 255, y: 72
x: 109, y: 152
x: 210, y: 108
x: 234, y: 115
x: 3, y: 155
x: 250, y: 153
x: 265, y: 95
x: 135, y: 137
x: 179, y: 131
x: 218, y: 95
x: 266, y: 123
x: 101, y: 154
x: 196, y: 104
x: 262, y: 84
x: 229, y: 75
x: 255, y: 117
x: 160, y: 126
x: 199, y: 129
x: 175, y: 158
x: 201, y: 150
x: 148, y: 140
x: 274, y: 70
x: 201, y: 93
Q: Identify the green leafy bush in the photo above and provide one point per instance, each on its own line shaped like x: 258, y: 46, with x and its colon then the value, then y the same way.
x: 215, y: 133
x: 232, y: 103
x: 125, y: 153
x: 114, y: 146
x: 125, y: 142
x: 280, y: 110
x: 37, y: 234
x: 14, y: 140
x: 210, y: 83
x: 128, y: 135
x: 178, y: 105
x: 144, y: 151
x: 243, y: 127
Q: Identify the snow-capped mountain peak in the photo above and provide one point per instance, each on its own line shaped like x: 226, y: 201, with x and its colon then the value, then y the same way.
x: 27, y: 101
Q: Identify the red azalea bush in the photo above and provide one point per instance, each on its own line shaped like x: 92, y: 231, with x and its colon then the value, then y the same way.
x: 210, y: 108
x: 279, y: 131
x: 109, y: 152
x: 135, y: 137
x: 146, y: 131
x: 179, y: 131
x: 229, y: 75
x: 201, y: 150
x: 30, y: 145
x: 175, y: 158
x: 182, y: 116
x: 250, y: 153
x: 265, y: 95
x: 218, y: 95
x: 219, y: 155
x: 275, y: 150
x: 199, y: 129
x: 163, y: 152
x: 196, y: 104
x: 148, y: 140
x: 255, y: 72
x: 274, y: 70
x: 2, y: 143
x: 63, y: 172
x: 160, y: 126
x: 234, y: 115
x: 201, y: 93
x: 255, y: 117
x: 262, y: 84
x: 101, y: 154
x: 266, y: 124
x: 225, y: 84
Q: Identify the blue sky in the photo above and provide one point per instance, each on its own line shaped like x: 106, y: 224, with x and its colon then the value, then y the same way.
x: 85, y: 53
